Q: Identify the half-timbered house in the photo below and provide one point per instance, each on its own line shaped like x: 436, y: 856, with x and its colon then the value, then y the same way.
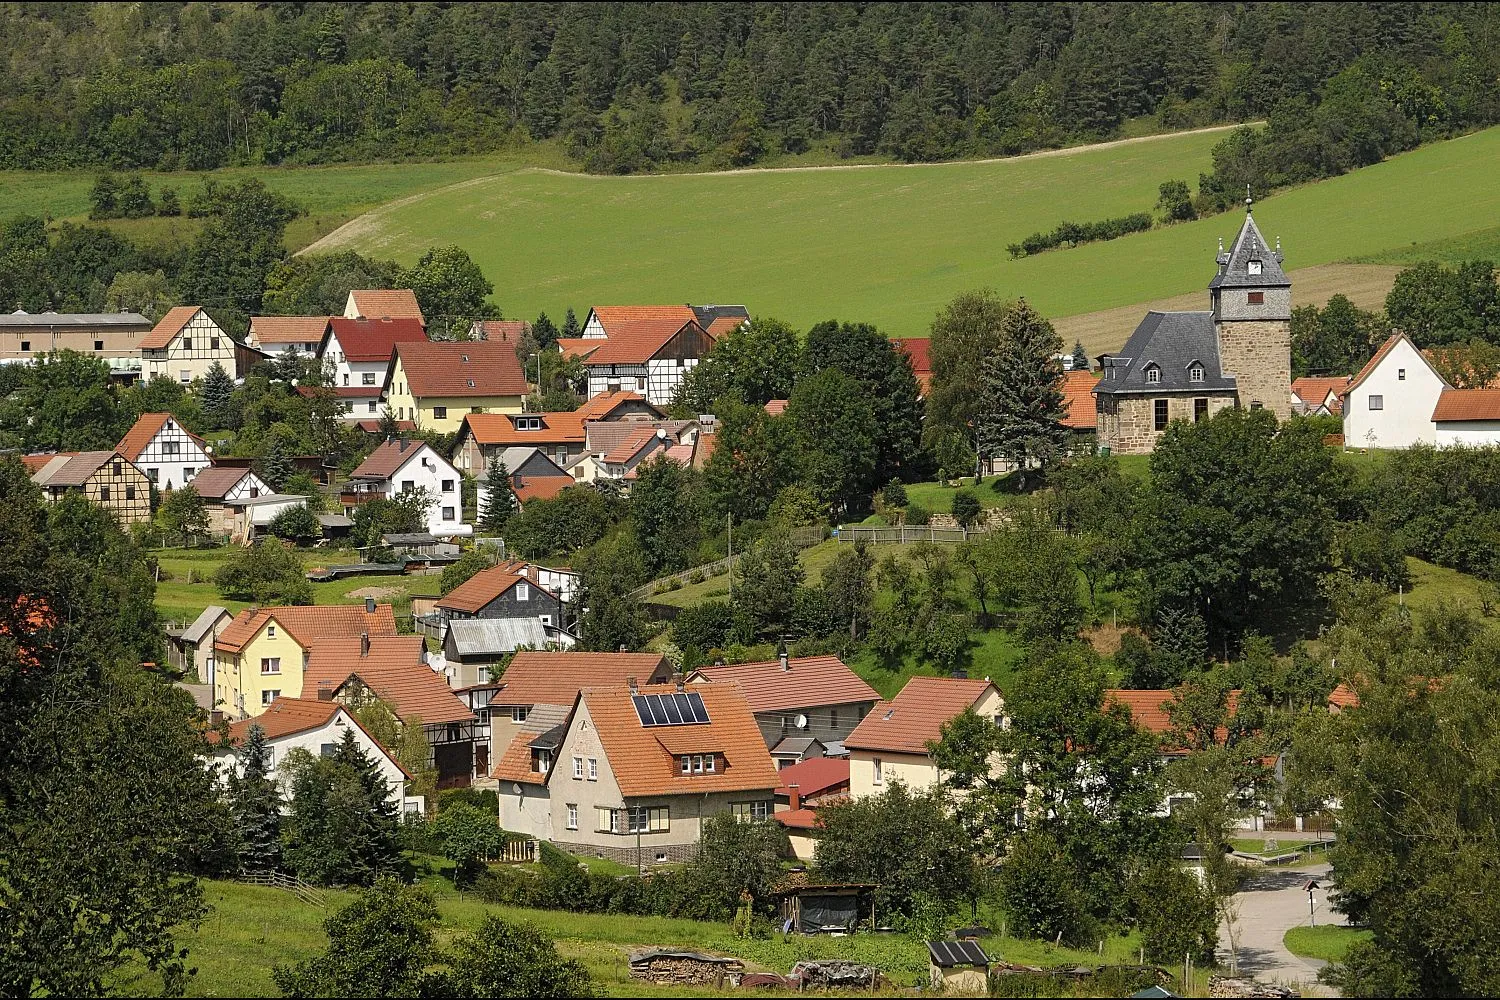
x: 185, y: 345
x: 648, y: 349
x: 169, y: 454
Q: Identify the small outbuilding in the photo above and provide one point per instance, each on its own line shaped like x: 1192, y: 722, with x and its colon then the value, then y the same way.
x: 959, y: 967
x: 825, y: 908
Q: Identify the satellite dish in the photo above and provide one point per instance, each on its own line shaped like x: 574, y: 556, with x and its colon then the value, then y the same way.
x: 800, y: 722
x: 517, y: 787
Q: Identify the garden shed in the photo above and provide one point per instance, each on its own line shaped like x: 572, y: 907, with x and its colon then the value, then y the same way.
x: 825, y: 908
x: 959, y: 967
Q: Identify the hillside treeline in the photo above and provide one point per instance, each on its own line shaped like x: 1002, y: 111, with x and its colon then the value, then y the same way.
x: 629, y: 87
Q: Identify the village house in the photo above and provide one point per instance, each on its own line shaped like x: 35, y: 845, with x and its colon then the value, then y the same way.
x: 185, y: 345
x: 918, y: 351
x: 802, y: 705
x: 891, y: 743
x: 1392, y: 401
x: 278, y: 335
x: 392, y: 669
x: 383, y: 303
x: 1190, y: 365
x: 264, y: 651
x: 1319, y: 395
x: 190, y: 648
x: 511, y: 331
x: 560, y: 436
x: 474, y: 647
x: 360, y: 349
x: 648, y: 349
x: 169, y: 454
x: 249, y: 517
x: 1467, y: 418
x: 804, y: 787
x: 105, y: 478
x: 317, y: 728
x: 112, y: 337
x: 532, y: 475
x: 402, y: 465
x: 615, y: 449
x: 633, y: 771
x: 499, y: 592
x: 437, y: 384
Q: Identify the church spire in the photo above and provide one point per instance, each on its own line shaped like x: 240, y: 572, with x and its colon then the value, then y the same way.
x: 1249, y: 201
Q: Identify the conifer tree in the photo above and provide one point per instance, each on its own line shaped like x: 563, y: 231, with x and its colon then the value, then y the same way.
x: 275, y: 467
x: 1080, y: 357
x: 216, y: 397
x: 500, y: 501
x: 255, y: 806
x: 377, y: 834
x: 570, y: 327
x: 1020, y: 417
x: 544, y: 332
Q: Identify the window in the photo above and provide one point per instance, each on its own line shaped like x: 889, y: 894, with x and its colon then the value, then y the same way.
x: 1256, y: 404
x: 170, y: 447
x: 518, y: 715
x: 1400, y: 374
x: 213, y: 343
x: 104, y: 494
x: 640, y: 384
x: 1256, y: 298
x: 130, y: 493
x: 1200, y: 409
x: 879, y: 772
x: 833, y: 718
x: 698, y: 763
x: 572, y: 815
x: 543, y: 761
x: 118, y: 468
x: 1254, y: 267
x: 328, y: 749
x: 562, y: 455
x: 1159, y: 408
x: 679, y: 362
x: 367, y: 378
x: 1153, y: 375
x: 449, y: 515
x: 407, y: 485
x: 98, y: 345
x: 593, y: 769
x: 346, y: 378
x: 270, y: 631
x: 269, y: 695
x: 609, y: 820
x: 348, y: 406
x: 371, y: 406
x: 25, y: 345
x: 447, y: 486
x: 578, y: 767
x: 1195, y: 373
x: 523, y: 592
x: 1377, y: 402
x: 270, y: 664
x: 546, y: 619
x: 484, y: 675
x: 185, y: 377
x: 440, y: 413
x: 476, y: 409
x: 151, y: 474
x: 187, y: 343
x: 746, y: 811
x: 636, y: 819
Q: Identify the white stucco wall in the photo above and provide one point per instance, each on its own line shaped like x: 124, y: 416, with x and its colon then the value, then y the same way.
x: 1407, y: 389
x: 1468, y: 433
x: 312, y: 741
x: 170, y: 470
x: 426, y: 468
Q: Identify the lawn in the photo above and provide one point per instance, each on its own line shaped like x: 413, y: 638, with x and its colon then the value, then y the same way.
x: 249, y: 929
x: 1432, y: 584
x: 891, y: 244
x: 1330, y: 944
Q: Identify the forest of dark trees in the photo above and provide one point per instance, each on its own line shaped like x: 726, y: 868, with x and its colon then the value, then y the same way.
x: 632, y: 87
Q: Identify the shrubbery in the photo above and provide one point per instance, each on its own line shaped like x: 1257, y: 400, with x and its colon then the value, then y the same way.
x: 1074, y: 233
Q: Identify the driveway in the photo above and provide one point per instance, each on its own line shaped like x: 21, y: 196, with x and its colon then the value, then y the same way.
x: 1273, y: 902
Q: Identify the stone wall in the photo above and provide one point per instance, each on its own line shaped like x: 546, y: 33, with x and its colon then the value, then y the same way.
x: 1259, y: 356
x: 1127, y: 424
x: 625, y: 853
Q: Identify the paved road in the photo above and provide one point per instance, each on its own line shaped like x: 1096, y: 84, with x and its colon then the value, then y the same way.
x: 1272, y: 903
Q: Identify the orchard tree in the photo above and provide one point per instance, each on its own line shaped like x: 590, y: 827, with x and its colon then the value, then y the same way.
x: 266, y: 573
x: 381, y: 945
x: 183, y: 513
x: 848, y: 584
x: 1021, y: 401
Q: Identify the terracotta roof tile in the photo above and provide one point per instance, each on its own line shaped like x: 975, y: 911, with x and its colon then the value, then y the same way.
x: 1467, y: 404
x: 480, y: 589
x: 374, y: 339
x: 288, y: 329
x: 147, y: 427
x: 393, y: 669
x: 307, y: 622
x: 644, y: 758
x: 635, y: 342
x: 515, y: 763
x: 285, y: 717
x: 1343, y: 697
x: 169, y: 327
x: 1078, y: 400
x: 461, y: 368
x: 812, y: 681
x: 541, y: 488
x: 386, y: 460
x: 1151, y: 708
x: 579, y: 347
x: 548, y: 678
x: 387, y: 303
x: 775, y: 407
x: 634, y: 443
x: 916, y: 715
x: 507, y: 330
x: 798, y: 819
x: 601, y: 406
x: 611, y: 317
x: 500, y: 429
x: 817, y: 776
x: 215, y: 482
x: 918, y: 351
x: 1314, y: 392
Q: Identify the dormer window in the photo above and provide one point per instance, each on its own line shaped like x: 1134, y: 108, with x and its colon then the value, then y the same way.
x: 1195, y: 373
x: 1254, y: 267
x: 1153, y: 375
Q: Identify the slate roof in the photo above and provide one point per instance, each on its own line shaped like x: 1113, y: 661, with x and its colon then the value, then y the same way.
x: 1467, y: 404
x: 393, y: 669
x: 916, y: 715
x: 812, y: 681
x: 515, y: 760
x: 382, y: 303
x: 1234, y: 265
x: 372, y: 339
x: 1172, y: 342
x: 146, y: 428
x: 460, y: 368
x: 719, y: 320
x: 555, y: 678
x: 22, y: 319
x: 169, y: 326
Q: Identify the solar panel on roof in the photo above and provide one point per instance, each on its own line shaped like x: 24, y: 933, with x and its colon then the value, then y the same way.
x: 670, y: 709
x: 674, y: 711
x: 700, y: 714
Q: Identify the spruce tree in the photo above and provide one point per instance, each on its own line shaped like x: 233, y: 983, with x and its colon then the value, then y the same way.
x: 500, y: 504
x: 544, y: 332
x: 570, y: 327
x: 377, y: 846
x: 1080, y: 357
x: 255, y: 806
x: 1021, y: 411
x: 275, y: 467
x: 216, y: 397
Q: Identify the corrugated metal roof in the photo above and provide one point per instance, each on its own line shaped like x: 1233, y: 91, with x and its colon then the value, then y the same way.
x: 947, y: 954
x: 483, y: 636
x: 195, y: 632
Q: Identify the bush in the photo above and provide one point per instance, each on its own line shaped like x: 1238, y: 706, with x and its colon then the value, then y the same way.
x: 966, y: 508
x: 1074, y: 233
x: 893, y: 493
x: 918, y: 515
x: 296, y: 524
x: 486, y: 799
x: 1176, y: 916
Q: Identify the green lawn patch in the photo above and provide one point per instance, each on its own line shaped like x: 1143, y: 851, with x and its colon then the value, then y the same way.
x: 1432, y: 584
x: 1476, y: 244
x: 937, y: 498
x: 995, y: 656
x: 1330, y: 944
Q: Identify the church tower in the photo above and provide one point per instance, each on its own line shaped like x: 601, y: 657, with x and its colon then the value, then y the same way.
x: 1252, y: 310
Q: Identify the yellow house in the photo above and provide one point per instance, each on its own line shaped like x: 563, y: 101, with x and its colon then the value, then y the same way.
x: 891, y: 743
x: 262, y: 653
x: 435, y: 384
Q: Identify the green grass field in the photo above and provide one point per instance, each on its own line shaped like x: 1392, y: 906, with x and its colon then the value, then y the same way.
x: 1330, y: 944
x: 891, y: 244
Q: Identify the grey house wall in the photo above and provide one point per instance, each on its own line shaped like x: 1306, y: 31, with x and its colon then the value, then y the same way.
x: 824, y: 722
x: 538, y: 603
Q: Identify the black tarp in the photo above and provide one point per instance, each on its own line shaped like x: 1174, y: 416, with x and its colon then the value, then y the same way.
x: 819, y: 911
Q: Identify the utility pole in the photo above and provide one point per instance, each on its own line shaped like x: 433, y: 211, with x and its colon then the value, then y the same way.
x: 729, y: 519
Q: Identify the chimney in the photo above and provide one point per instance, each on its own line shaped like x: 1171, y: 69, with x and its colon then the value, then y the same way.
x: 364, y: 644
x: 369, y: 605
x: 623, y: 648
x: 795, y: 795
x: 630, y: 683
x: 679, y: 679
x: 783, y: 656
x: 325, y: 691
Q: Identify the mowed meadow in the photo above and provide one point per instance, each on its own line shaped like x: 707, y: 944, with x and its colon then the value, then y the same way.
x: 891, y: 244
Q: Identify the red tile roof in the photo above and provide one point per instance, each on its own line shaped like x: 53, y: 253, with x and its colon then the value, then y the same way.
x: 393, y: 669
x: 579, y: 347
x: 500, y: 429
x: 814, y: 777
x: 633, y: 444
x: 798, y: 819
x: 1314, y: 392
x: 374, y: 339
x: 372, y: 425
x: 776, y: 407
x: 1467, y: 404
x: 918, y: 351
x: 703, y: 448
x: 916, y: 715
x: 147, y: 427
x: 169, y: 327
x: 215, y: 482
x: 644, y: 759
x: 1078, y: 400
x: 388, y: 457
x: 812, y: 681
x: 1343, y: 697
x: 386, y: 303
x: 480, y: 589
x: 635, y: 343
x: 288, y: 329
x: 286, y: 717
x: 722, y: 325
x: 508, y: 330
x: 1151, y: 708
x: 541, y: 488
x: 610, y: 317
x: 307, y: 622
x: 35, y: 462
x: 547, y: 678
x: 601, y: 406
x: 461, y: 368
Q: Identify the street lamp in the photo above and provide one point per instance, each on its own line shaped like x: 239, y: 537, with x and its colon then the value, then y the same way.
x: 1312, y: 916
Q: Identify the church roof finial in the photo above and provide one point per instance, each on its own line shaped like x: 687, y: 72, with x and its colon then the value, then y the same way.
x: 1248, y: 200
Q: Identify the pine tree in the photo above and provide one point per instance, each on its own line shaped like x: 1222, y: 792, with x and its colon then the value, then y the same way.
x: 216, y: 397
x: 1020, y: 416
x: 544, y: 332
x: 500, y: 503
x: 1080, y: 357
x: 570, y: 327
x: 377, y: 847
x: 275, y: 467
x: 255, y: 805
